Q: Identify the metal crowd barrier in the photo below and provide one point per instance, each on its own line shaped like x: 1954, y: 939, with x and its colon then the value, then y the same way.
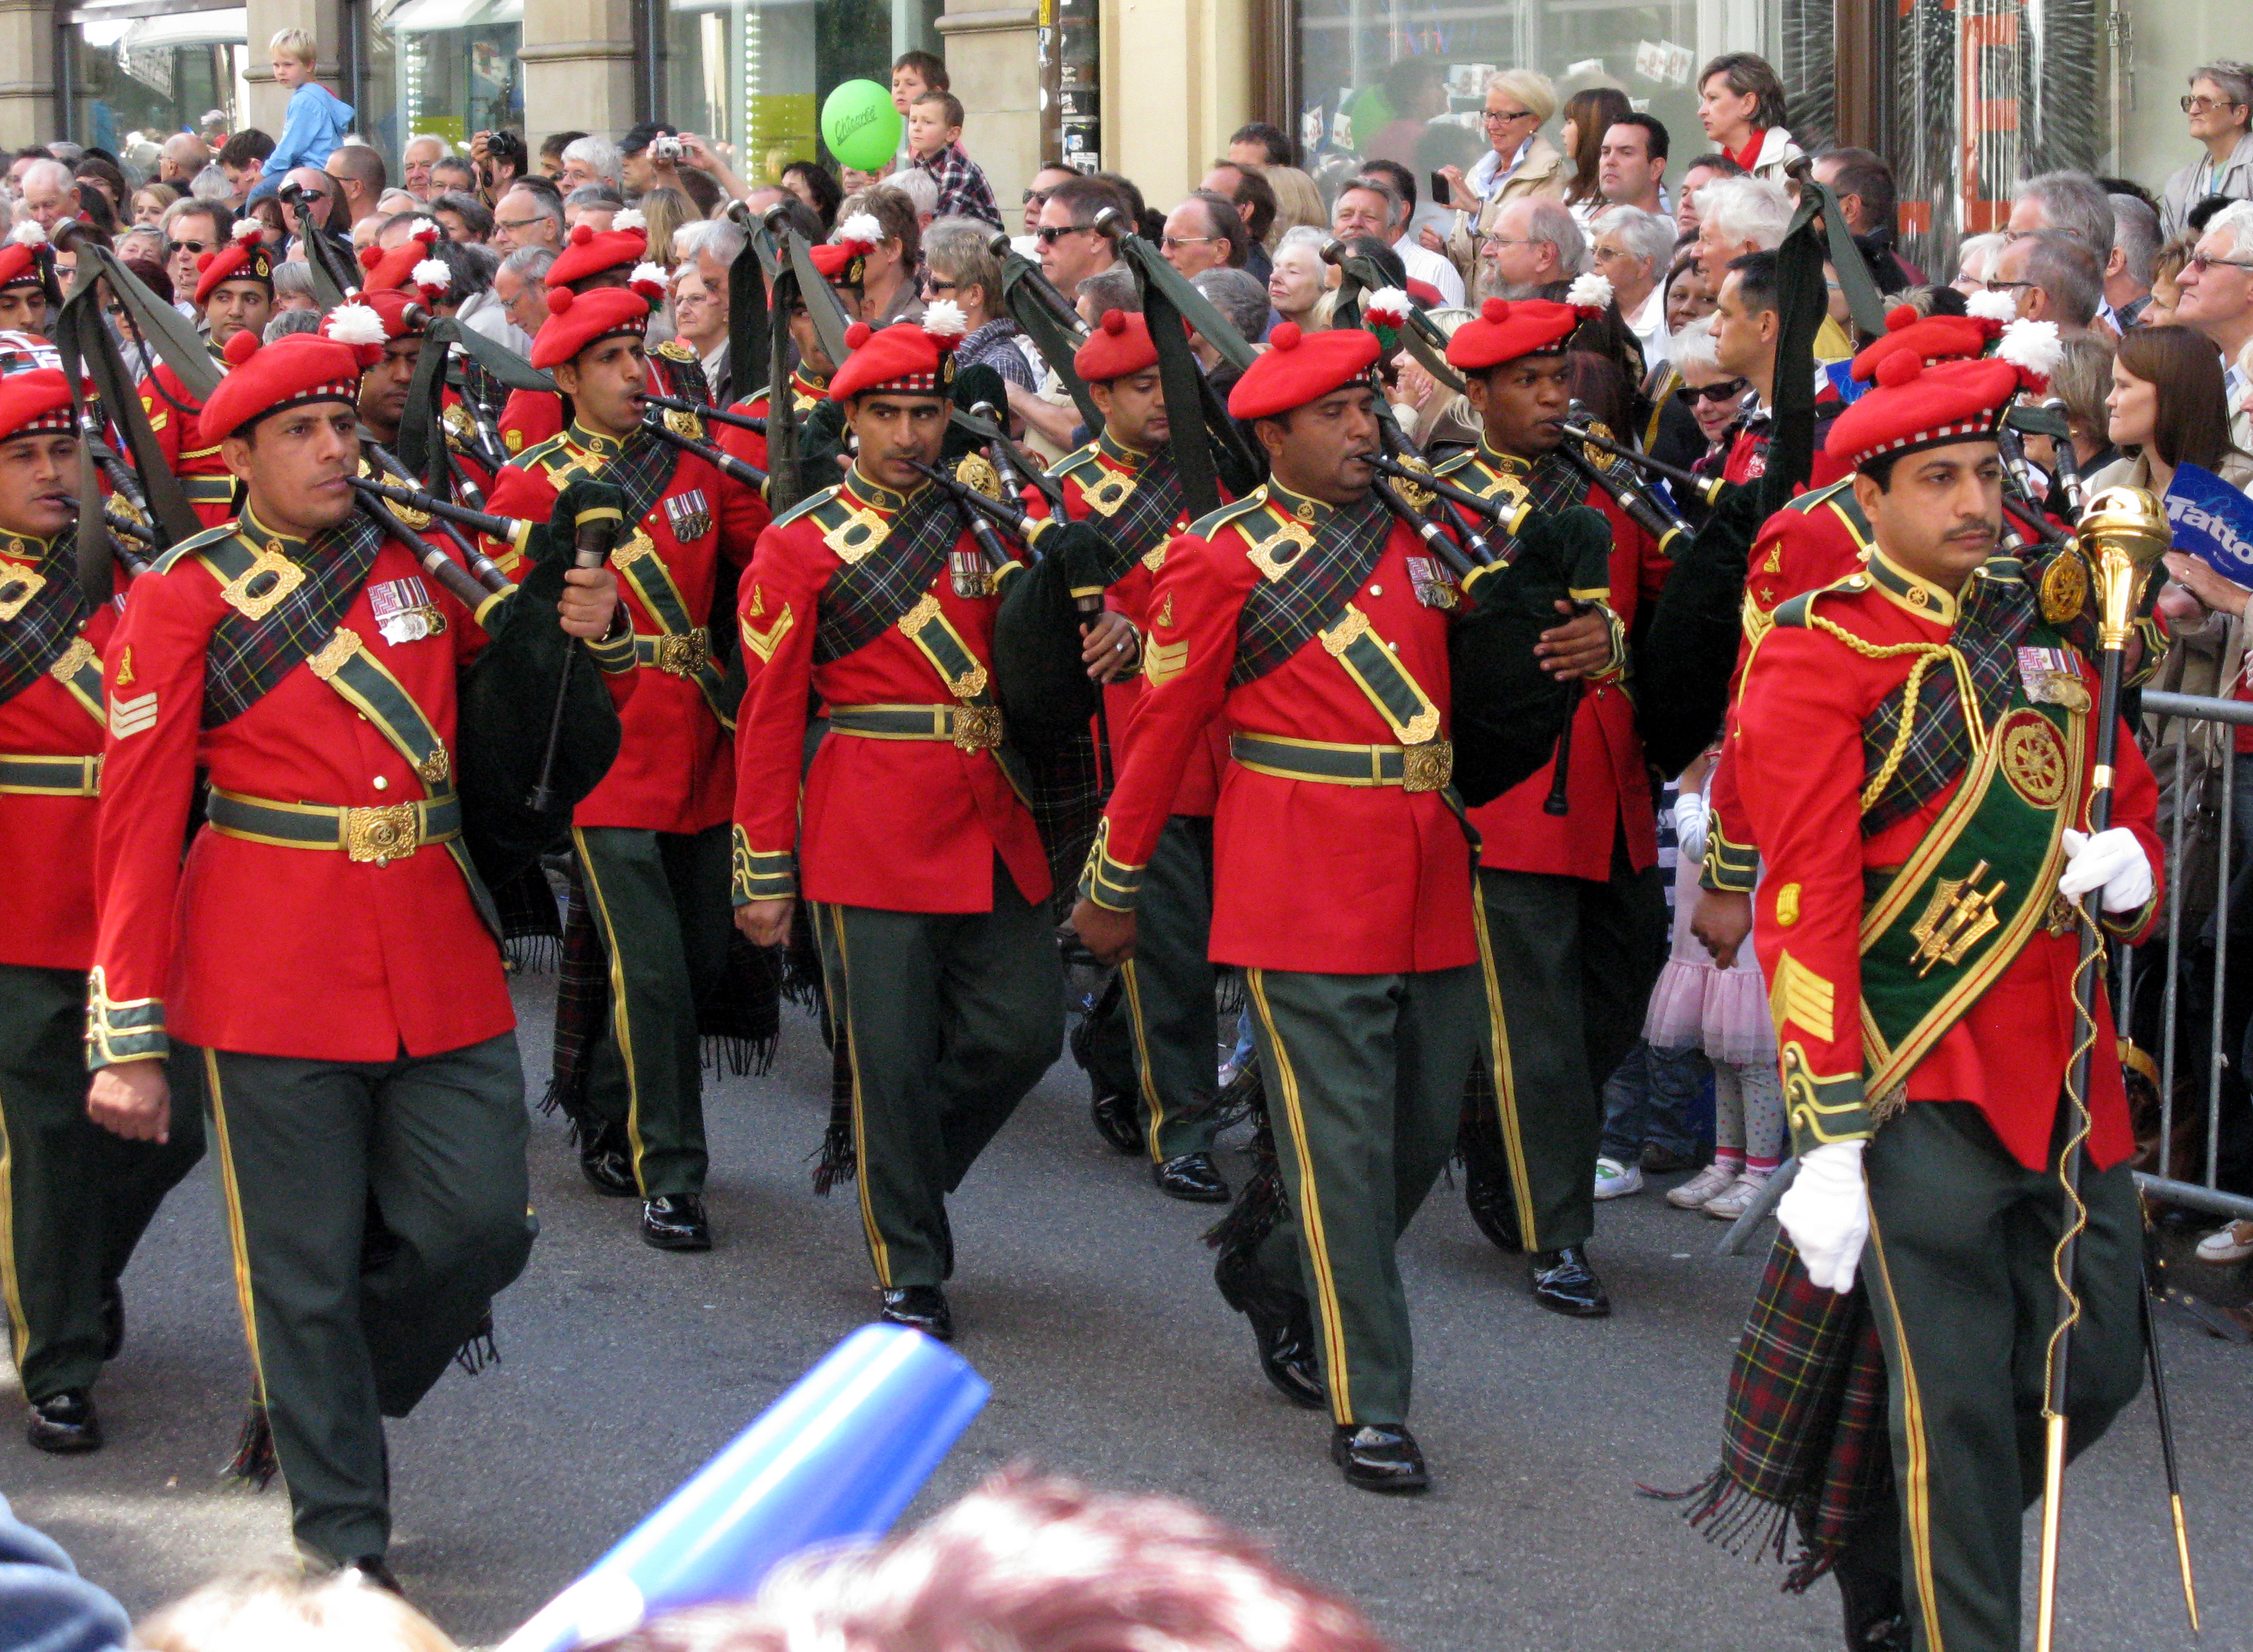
x: 2182, y: 712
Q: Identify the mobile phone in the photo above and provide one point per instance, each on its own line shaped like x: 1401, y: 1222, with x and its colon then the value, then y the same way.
x: 1443, y: 192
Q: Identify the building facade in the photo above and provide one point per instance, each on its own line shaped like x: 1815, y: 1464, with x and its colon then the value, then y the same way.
x: 1965, y: 95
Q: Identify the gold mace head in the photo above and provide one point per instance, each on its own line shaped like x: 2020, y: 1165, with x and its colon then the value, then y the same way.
x: 2124, y: 532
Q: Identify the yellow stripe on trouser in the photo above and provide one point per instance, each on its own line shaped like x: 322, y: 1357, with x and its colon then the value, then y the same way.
x: 1145, y: 1080
x: 877, y: 1251
x: 19, y: 1328
x: 621, y: 1021
x: 237, y: 1239
x: 1310, y: 1206
x: 1913, y: 1477
x: 1505, y: 1085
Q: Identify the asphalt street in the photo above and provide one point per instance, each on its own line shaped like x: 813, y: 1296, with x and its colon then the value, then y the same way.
x: 1087, y: 1300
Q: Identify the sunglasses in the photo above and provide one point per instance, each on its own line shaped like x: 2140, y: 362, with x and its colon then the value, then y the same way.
x: 1726, y: 390
x: 1049, y: 235
x: 933, y: 284
x: 174, y: 248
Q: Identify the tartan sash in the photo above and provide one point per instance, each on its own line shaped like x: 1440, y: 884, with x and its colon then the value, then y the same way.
x: 1555, y: 486
x: 41, y: 612
x: 641, y: 469
x: 868, y: 594
x: 687, y: 379
x: 1139, y: 519
x: 1319, y: 571
x: 1994, y: 618
x: 281, y: 610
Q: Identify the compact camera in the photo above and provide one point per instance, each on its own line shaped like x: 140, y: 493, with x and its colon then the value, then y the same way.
x: 667, y: 148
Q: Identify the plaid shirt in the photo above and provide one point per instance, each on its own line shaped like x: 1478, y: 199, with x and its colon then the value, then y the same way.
x: 963, y: 191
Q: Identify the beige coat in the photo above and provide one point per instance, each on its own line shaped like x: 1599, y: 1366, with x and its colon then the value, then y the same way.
x: 1542, y: 171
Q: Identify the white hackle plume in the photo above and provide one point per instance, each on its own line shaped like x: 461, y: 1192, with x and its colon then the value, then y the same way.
x: 1985, y: 306
x: 425, y: 229
x: 943, y: 319
x: 432, y: 272
x: 648, y: 279
x: 354, y: 324
x: 1387, y: 306
x: 30, y: 233
x: 2032, y: 345
x: 861, y: 227
x: 1590, y: 291
x: 247, y: 231
x: 631, y: 217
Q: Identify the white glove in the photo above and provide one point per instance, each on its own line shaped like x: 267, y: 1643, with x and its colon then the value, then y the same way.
x: 1826, y: 1211
x: 2113, y: 862
x: 1689, y: 818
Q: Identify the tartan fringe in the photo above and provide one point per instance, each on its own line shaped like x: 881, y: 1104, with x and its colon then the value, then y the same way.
x: 254, y: 1463
x: 532, y: 954
x: 1264, y: 1201
x: 840, y: 1159
x: 1243, y: 1097
x: 1228, y: 992
x: 737, y: 1055
x: 480, y: 1350
x: 1732, y: 1516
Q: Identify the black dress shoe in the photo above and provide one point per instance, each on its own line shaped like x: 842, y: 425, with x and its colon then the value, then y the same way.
x: 606, y: 1159
x: 1564, y: 1283
x: 113, y: 1320
x: 920, y: 1307
x: 65, y: 1423
x: 675, y: 1221
x: 1191, y: 1177
x: 371, y: 1571
x: 1378, y: 1457
x: 1485, y: 1192
x: 1283, y: 1327
x: 1114, y: 1120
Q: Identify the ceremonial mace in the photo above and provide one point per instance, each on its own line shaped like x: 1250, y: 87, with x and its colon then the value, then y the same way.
x: 2123, y: 535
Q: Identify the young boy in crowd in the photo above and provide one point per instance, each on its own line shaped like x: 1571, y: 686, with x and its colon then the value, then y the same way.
x: 317, y: 119
x: 934, y: 144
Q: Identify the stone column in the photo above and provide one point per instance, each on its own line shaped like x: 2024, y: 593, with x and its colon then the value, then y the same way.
x: 578, y: 60
x: 29, y: 110
x: 992, y: 58
x: 267, y: 101
x: 1176, y: 77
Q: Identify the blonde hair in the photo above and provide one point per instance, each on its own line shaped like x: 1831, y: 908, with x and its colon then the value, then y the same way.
x: 333, y: 1614
x: 294, y: 43
x: 1298, y: 203
x: 1537, y: 92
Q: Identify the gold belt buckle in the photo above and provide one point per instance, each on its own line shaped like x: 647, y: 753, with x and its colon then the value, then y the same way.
x: 977, y: 727
x: 259, y: 588
x: 1427, y: 767
x: 388, y: 831
x: 683, y: 653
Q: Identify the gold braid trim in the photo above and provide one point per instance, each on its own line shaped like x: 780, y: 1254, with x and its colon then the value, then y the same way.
x: 1926, y: 655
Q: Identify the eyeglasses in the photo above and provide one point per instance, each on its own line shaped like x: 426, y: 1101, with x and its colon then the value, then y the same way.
x: 174, y: 248
x: 1726, y: 390
x: 1049, y: 234
x: 1039, y: 197
x: 1499, y: 242
x: 1613, y: 252
x: 518, y: 223
x: 1169, y: 243
x: 1994, y: 286
x: 2207, y: 105
x: 2203, y: 262
x: 1506, y: 117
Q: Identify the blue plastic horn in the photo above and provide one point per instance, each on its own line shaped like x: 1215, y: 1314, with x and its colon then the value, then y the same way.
x: 836, y: 1458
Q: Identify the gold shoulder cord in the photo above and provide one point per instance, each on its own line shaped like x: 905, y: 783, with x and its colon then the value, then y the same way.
x: 1927, y: 655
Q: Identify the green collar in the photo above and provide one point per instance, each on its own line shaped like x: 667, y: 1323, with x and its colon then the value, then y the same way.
x: 602, y: 447
x: 1118, y: 452
x: 1312, y: 511
x: 255, y: 531
x: 29, y: 547
x: 1918, y: 595
x: 861, y: 490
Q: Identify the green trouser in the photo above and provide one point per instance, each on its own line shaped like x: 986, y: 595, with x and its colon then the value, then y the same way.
x: 74, y: 1197
x: 1958, y: 1269
x: 1365, y: 1077
x: 1168, y: 992
x: 661, y: 900
x: 1576, y: 960
x: 953, y: 1017
x: 351, y: 1322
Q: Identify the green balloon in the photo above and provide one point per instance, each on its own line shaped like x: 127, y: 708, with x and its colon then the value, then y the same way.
x: 860, y: 125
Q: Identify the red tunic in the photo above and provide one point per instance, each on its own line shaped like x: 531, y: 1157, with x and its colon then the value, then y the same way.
x: 1607, y: 792
x: 901, y: 824
x: 675, y: 770
x: 172, y: 415
x: 1800, y: 746
x: 1306, y: 874
x: 269, y: 949
x: 47, y: 904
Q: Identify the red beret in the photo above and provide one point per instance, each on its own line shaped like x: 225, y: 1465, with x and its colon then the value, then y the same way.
x: 578, y: 319
x: 403, y: 315
x: 25, y: 255
x: 242, y: 258
x: 296, y: 368
x: 841, y: 259
x: 1929, y: 338
x: 38, y: 400
x: 1503, y: 332
x: 589, y: 253
x: 389, y: 271
x: 1919, y: 407
x: 1118, y: 348
x: 908, y: 358
x: 1299, y: 367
